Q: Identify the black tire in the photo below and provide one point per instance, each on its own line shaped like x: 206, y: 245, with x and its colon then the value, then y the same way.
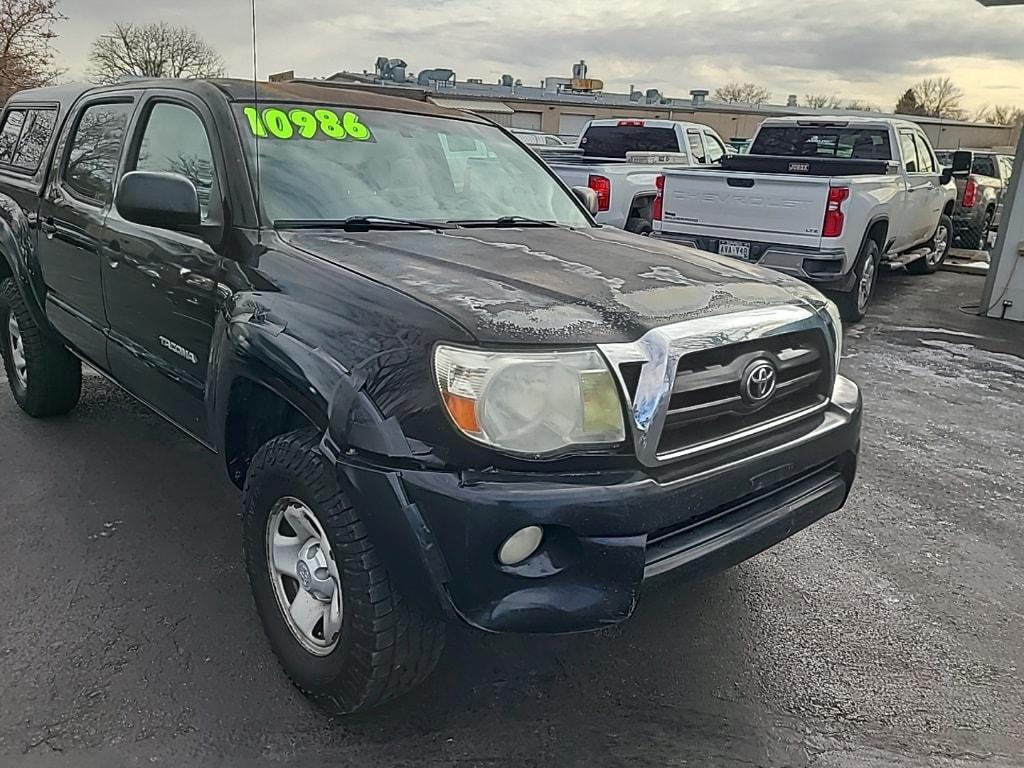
x: 52, y: 380
x: 639, y: 226
x: 986, y: 227
x: 853, y: 304
x: 926, y: 265
x: 386, y: 645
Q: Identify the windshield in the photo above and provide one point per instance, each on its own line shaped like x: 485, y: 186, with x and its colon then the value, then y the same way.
x: 330, y: 163
x: 614, y: 141
x: 811, y: 141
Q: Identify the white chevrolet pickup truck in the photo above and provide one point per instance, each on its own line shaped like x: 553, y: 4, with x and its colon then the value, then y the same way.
x: 825, y: 200
x: 621, y: 160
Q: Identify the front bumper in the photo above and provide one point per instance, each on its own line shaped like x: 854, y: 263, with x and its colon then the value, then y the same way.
x: 826, y: 268
x: 605, y: 532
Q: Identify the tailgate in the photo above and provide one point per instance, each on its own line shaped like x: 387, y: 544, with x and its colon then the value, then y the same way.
x: 573, y: 175
x: 776, y: 208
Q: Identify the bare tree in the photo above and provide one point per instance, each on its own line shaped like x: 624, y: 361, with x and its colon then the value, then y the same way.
x: 908, y: 104
x: 26, y: 33
x: 152, y: 50
x: 856, y: 105
x: 743, y: 93
x: 822, y: 101
x: 1000, y: 114
x: 940, y: 97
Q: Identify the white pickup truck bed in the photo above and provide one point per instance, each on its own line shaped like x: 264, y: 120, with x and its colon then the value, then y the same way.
x: 621, y: 159
x: 828, y: 216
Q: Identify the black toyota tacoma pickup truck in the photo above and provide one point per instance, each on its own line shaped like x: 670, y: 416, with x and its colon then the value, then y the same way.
x: 444, y: 391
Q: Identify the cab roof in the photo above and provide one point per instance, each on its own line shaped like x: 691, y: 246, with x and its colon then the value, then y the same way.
x: 341, y: 94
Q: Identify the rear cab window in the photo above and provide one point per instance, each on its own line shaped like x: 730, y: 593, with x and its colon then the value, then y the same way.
x: 95, y: 149
x: 25, y: 135
x: 842, y: 142
x: 985, y: 165
x: 614, y: 141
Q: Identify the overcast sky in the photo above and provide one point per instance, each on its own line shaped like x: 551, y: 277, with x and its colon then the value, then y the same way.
x: 864, y: 49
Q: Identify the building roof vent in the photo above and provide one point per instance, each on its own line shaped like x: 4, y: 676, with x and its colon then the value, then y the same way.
x: 699, y: 96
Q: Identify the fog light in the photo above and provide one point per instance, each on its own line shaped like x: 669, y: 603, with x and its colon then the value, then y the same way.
x: 520, y: 545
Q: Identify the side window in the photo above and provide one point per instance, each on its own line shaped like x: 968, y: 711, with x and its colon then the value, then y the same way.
x: 925, y: 159
x: 909, y: 151
x: 696, y: 146
x: 13, y: 121
x: 95, y: 147
x: 34, y: 138
x: 716, y: 150
x: 175, y: 141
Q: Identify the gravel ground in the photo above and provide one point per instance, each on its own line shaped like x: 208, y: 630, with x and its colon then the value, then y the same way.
x: 890, y: 634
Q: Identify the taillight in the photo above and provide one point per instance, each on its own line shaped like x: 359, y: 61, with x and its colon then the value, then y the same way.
x: 970, y: 193
x: 631, y: 123
x: 658, y: 208
x: 834, y: 218
x: 603, y: 187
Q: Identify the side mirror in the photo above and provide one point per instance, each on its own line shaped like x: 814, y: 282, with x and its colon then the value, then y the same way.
x: 962, y: 163
x: 588, y: 197
x: 947, y: 175
x: 165, y: 200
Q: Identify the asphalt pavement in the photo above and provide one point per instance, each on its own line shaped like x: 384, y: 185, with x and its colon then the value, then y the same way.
x: 890, y: 634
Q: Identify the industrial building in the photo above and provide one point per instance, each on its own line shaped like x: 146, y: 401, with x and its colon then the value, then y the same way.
x: 562, y: 105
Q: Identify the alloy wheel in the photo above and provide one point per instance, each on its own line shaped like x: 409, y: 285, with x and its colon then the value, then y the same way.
x: 939, y: 244
x: 17, y: 346
x: 304, y: 576
x: 866, y: 284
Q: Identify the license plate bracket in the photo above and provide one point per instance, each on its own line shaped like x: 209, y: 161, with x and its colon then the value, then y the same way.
x: 734, y: 248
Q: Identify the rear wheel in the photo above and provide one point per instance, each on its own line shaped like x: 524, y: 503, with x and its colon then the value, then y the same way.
x: 854, y: 304
x: 938, y: 249
x: 986, y: 227
x: 340, y: 628
x: 45, y: 379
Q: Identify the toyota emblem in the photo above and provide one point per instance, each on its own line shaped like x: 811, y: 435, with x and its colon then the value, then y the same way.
x: 759, y: 382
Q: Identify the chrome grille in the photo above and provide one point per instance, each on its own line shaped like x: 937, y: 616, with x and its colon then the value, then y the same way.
x: 707, y: 403
x: 684, y: 380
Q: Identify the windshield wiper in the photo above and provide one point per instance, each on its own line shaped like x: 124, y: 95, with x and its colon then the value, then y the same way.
x: 504, y: 221
x: 361, y: 224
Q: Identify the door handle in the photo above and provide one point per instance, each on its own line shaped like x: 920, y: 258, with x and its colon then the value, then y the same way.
x: 48, y: 227
x: 113, y: 252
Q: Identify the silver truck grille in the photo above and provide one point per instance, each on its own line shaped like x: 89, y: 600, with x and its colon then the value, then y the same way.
x: 700, y: 385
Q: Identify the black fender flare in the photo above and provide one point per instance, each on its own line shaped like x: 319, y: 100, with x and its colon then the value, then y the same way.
x: 16, y: 245
x: 366, y: 449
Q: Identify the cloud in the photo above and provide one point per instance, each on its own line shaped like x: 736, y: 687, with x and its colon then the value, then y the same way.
x: 871, y: 50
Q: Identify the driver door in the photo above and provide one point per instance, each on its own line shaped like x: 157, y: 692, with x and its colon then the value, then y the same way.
x: 161, y: 285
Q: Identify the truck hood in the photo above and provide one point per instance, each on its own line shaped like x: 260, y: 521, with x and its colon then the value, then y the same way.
x: 554, y: 285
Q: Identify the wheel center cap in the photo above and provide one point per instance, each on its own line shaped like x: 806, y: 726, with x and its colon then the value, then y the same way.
x: 305, y: 577
x: 313, y: 572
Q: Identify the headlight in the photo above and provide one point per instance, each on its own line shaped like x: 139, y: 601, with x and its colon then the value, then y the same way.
x: 530, y: 403
x: 837, y: 328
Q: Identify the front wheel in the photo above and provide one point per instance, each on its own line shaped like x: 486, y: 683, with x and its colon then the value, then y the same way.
x: 938, y: 249
x: 342, y: 631
x: 854, y: 304
x: 45, y: 379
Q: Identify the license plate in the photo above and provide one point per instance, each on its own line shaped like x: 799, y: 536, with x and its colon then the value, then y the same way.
x: 733, y: 248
